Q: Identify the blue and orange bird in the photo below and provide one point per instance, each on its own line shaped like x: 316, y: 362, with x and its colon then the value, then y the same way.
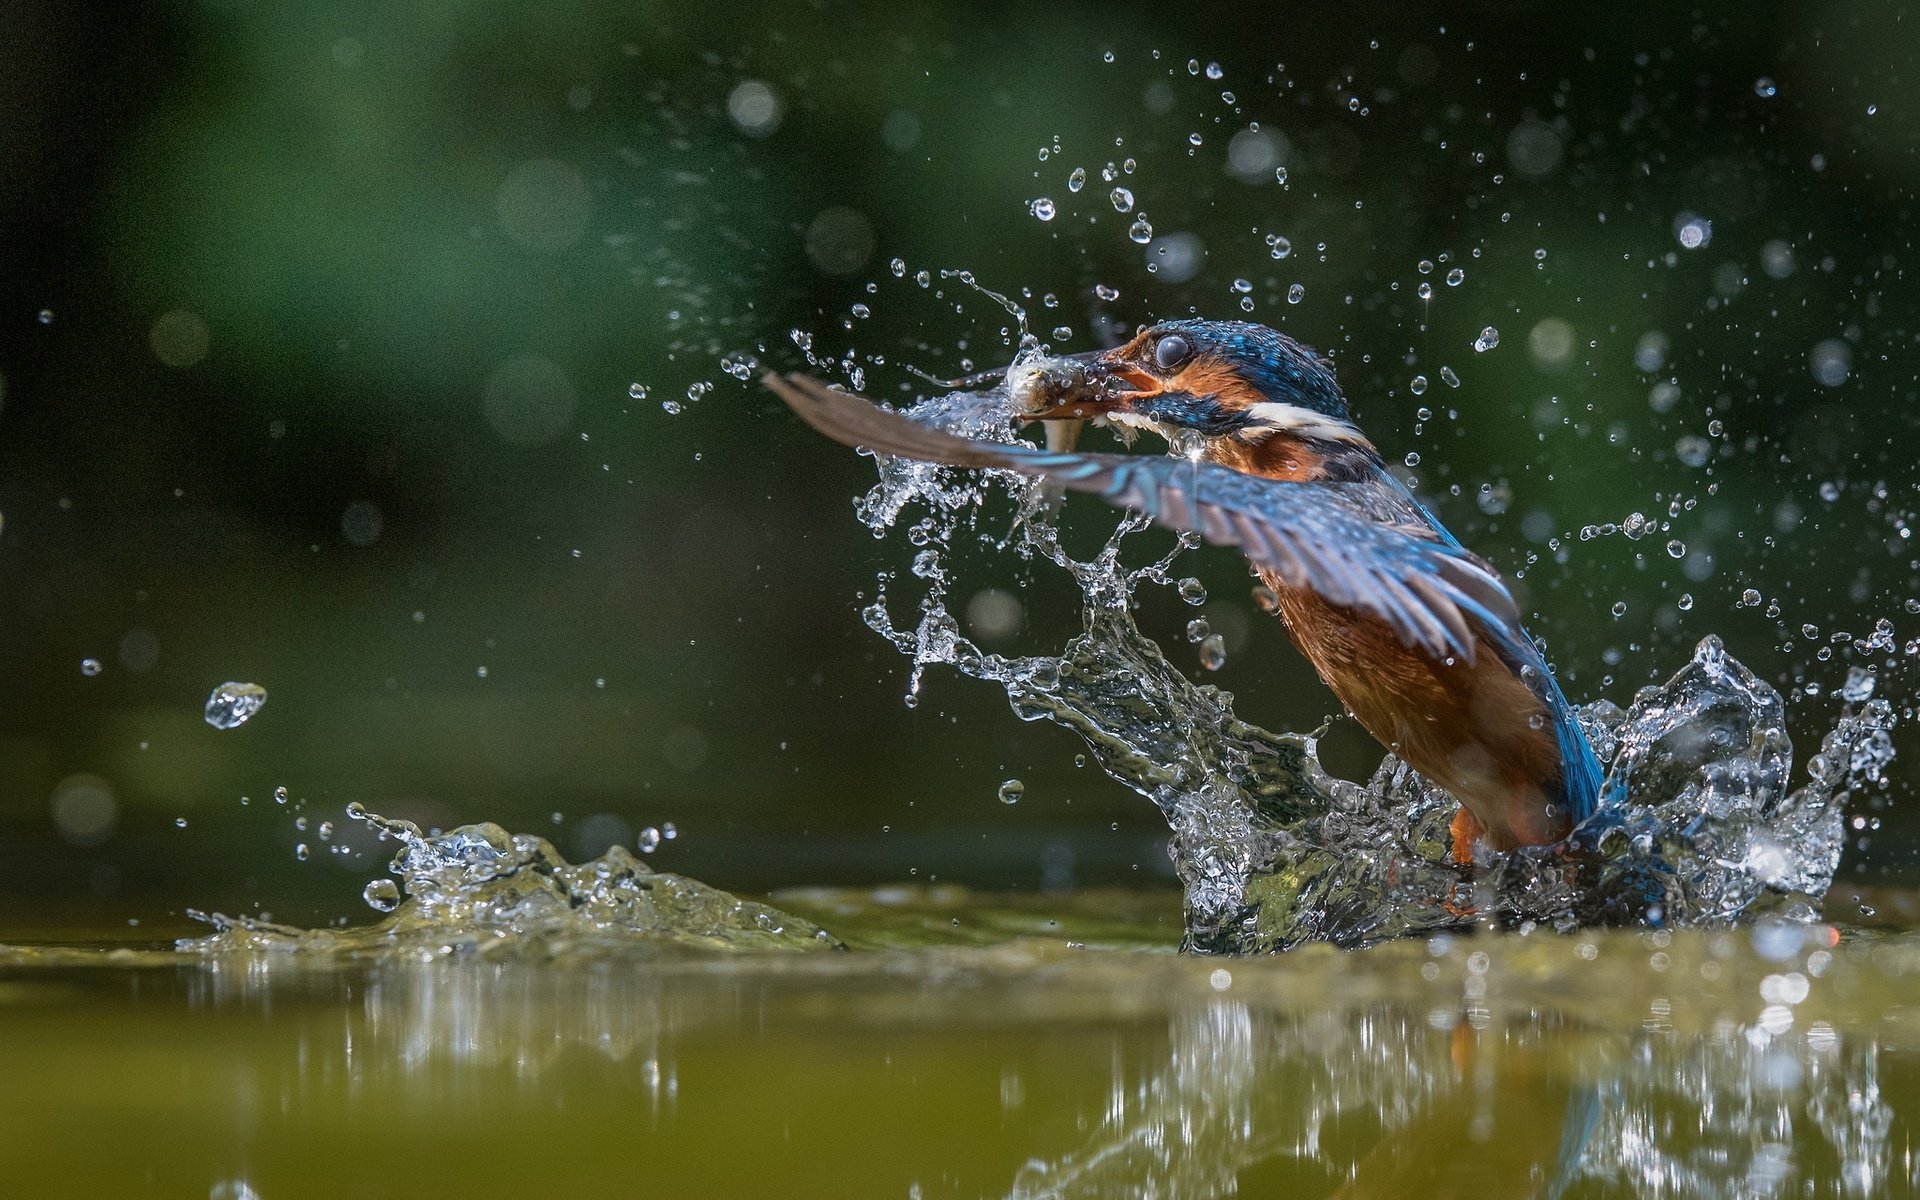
x: 1418, y: 637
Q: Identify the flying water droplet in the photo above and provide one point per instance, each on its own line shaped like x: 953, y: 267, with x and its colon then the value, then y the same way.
x: 1077, y: 180
x: 1448, y: 377
x: 1296, y: 293
x: 1488, y: 339
x: 1140, y: 231
x: 1859, y: 685
x: 1455, y: 277
x: 1278, y: 246
x: 1692, y: 450
x: 1213, y: 652
x: 1424, y: 291
x: 1011, y: 791
x: 648, y: 840
x: 1192, y: 590
x: 1042, y: 208
x: 1419, y: 385
x: 1676, y: 549
x: 90, y: 667
x: 382, y: 895
x: 1765, y: 88
x: 1122, y: 201
x: 232, y: 704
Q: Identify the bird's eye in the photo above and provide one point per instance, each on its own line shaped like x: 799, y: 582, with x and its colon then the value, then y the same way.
x: 1172, y: 350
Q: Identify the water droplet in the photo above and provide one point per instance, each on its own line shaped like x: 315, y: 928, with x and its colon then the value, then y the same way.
x: 1122, y: 201
x: 1692, y: 450
x: 1488, y: 339
x: 90, y: 667
x: 1676, y: 549
x: 1011, y: 791
x: 1456, y: 277
x: 1198, y: 630
x: 1413, y: 458
x: 899, y: 268
x: 637, y: 391
x: 1279, y: 174
x: 1278, y: 246
x: 46, y: 316
x: 1296, y: 293
x: 231, y: 704
x: 648, y: 840
x: 1109, y: 294
x: 1692, y: 230
x: 1619, y: 608
x: 382, y: 895
x: 1140, y: 231
x: 1859, y: 685
x: 1424, y: 291
x: 1061, y: 333
x: 1419, y: 385
x: 1685, y: 602
x: 1448, y: 377
x: 1750, y: 598
x: 1041, y: 208
x: 1213, y: 652
x: 1192, y: 590
x: 1765, y: 88
x: 1078, y: 179
x: 1242, y: 286
x: 1266, y: 599
x: 1214, y: 71
x: 301, y: 852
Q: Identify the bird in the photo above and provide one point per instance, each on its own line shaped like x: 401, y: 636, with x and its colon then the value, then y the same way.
x: 1419, y: 638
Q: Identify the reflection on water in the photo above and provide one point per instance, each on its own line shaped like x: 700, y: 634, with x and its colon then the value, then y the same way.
x: 1775, y: 1061
x: 1697, y: 823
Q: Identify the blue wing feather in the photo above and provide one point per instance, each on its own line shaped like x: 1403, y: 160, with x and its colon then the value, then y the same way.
x: 1580, y: 770
x: 1411, y: 572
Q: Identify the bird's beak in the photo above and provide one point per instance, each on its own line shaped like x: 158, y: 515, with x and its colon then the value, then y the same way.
x: 1085, y: 386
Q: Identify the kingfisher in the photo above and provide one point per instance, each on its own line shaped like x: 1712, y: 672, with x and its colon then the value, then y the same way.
x: 1415, y: 635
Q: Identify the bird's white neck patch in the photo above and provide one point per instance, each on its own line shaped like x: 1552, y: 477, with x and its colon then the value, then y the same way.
x: 1272, y: 416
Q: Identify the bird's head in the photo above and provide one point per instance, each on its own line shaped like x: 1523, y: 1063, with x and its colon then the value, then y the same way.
x: 1214, y: 379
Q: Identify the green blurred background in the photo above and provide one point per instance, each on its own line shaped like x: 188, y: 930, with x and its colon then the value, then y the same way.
x: 337, y: 343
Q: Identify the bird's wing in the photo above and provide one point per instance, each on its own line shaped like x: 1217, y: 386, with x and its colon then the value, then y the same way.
x: 1430, y: 592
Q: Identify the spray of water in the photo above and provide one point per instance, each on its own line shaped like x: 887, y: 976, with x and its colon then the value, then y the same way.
x: 1699, y: 824
x: 479, y: 891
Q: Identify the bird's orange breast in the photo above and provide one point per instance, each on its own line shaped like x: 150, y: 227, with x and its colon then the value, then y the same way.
x: 1475, y: 729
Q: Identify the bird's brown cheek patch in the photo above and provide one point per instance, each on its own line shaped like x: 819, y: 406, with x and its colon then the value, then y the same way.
x: 1211, y: 377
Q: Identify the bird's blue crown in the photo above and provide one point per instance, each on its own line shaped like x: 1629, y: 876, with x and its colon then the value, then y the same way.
x: 1273, y: 364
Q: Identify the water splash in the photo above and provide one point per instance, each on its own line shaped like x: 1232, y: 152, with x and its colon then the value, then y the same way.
x: 1699, y: 825
x: 479, y: 891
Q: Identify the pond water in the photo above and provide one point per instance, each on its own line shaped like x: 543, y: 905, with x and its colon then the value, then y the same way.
x: 965, y: 1046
